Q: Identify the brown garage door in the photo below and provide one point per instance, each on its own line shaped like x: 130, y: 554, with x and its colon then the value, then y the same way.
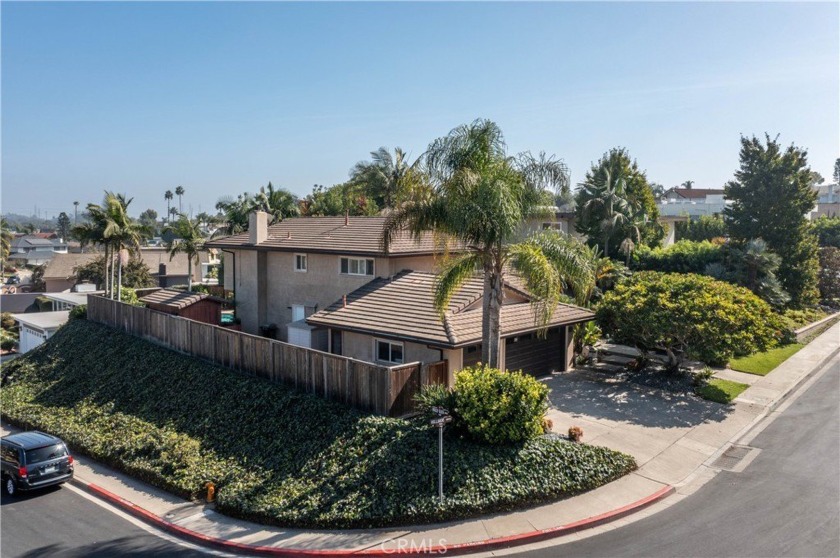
x: 534, y: 355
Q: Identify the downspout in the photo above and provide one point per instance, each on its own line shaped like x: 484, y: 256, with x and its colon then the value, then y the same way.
x: 235, y: 311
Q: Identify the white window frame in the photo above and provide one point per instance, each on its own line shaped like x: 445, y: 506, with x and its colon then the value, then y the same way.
x: 358, y: 261
x: 390, y: 343
x: 305, y: 259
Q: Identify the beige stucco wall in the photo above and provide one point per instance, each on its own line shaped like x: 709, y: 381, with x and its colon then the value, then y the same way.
x: 361, y: 347
x: 322, y: 284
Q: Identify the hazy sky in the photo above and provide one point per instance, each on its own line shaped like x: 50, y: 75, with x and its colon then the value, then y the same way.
x: 223, y: 97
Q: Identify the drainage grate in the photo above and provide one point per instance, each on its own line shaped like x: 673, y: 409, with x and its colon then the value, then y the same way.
x: 733, y: 459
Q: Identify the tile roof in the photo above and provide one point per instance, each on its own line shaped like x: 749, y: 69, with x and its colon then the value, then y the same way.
x: 402, y: 307
x: 172, y: 298
x: 361, y: 235
x: 61, y: 266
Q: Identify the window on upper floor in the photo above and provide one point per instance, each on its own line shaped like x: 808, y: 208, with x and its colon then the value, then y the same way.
x: 356, y: 266
x: 300, y: 262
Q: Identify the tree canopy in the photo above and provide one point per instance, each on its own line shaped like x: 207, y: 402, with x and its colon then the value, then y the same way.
x: 614, y: 190
x: 770, y: 198
x: 480, y: 198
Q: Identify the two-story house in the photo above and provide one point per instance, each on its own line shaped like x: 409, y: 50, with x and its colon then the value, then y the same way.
x: 327, y: 283
x: 284, y: 273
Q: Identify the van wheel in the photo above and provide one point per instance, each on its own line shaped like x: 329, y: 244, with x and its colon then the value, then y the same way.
x: 9, y: 486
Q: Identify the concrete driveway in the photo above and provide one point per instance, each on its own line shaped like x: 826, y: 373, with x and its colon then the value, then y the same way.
x: 644, y: 422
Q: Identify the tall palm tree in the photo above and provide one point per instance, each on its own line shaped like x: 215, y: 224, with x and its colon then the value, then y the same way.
x: 481, y: 196
x: 75, y: 213
x: 609, y: 195
x: 179, y: 191
x: 188, y: 240
x: 93, y: 232
x: 125, y: 234
x: 168, y: 197
x: 387, y: 178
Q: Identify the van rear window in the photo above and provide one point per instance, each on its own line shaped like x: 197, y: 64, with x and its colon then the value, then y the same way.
x: 45, y: 454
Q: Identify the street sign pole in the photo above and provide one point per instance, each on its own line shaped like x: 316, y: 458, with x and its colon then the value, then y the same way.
x: 440, y: 472
x: 439, y: 422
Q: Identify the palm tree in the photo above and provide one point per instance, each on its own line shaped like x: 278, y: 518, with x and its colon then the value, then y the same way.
x: 278, y: 203
x: 75, y: 213
x: 235, y: 211
x: 125, y: 234
x: 168, y: 197
x: 188, y: 240
x: 179, y: 191
x: 480, y: 198
x: 634, y: 225
x: 607, y: 194
x: 387, y: 178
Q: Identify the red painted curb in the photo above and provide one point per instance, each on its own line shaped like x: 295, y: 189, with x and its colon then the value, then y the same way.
x: 408, y: 550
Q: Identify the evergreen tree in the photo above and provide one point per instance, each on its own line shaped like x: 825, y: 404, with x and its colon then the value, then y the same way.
x: 770, y: 196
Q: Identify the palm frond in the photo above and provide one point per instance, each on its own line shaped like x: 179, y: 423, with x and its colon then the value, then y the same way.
x: 452, y: 277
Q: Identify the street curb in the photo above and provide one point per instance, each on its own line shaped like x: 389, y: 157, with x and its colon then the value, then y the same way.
x: 408, y: 550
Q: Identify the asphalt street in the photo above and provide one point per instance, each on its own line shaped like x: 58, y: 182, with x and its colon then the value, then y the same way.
x: 60, y: 522
x: 786, y: 503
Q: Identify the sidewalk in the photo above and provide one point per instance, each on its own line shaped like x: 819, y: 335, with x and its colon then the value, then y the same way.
x: 674, y: 439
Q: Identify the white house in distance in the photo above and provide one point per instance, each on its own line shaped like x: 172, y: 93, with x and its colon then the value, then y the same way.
x: 693, y: 202
x: 37, y: 327
x: 828, y: 201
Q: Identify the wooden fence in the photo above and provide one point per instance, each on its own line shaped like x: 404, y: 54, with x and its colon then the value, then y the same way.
x: 364, y: 385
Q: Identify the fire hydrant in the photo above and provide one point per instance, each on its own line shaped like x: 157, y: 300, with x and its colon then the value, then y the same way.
x: 211, y: 492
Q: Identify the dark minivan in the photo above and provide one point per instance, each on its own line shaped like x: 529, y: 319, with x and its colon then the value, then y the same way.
x: 34, y: 460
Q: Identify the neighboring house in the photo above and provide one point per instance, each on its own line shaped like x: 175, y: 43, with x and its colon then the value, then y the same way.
x: 286, y: 272
x: 326, y: 283
x: 393, y: 321
x: 67, y: 301
x: 563, y: 220
x: 34, y: 250
x: 828, y: 201
x: 59, y: 274
x: 37, y: 327
x: 693, y: 202
x: 200, y: 307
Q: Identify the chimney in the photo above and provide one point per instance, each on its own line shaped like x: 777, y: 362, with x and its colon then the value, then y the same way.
x: 346, y: 218
x: 345, y: 301
x: 257, y: 227
x: 162, y: 270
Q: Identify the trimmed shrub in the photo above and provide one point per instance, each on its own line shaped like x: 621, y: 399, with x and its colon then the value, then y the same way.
x: 830, y: 276
x: 500, y: 407
x: 687, y: 315
x: 827, y: 230
x: 685, y: 256
x: 706, y: 227
x: 7, y: 321
x: 79, y: 312
x: 276, y: 455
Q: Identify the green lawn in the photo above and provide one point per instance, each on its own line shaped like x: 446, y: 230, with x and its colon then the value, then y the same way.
x: 763, y: 363
x: 721, y: 391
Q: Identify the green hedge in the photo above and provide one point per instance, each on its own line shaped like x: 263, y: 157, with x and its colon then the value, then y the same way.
x: 685, y: 256
x: 276, y: 455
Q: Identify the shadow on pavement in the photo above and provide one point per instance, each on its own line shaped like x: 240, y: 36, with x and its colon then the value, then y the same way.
x: 577, y: 394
